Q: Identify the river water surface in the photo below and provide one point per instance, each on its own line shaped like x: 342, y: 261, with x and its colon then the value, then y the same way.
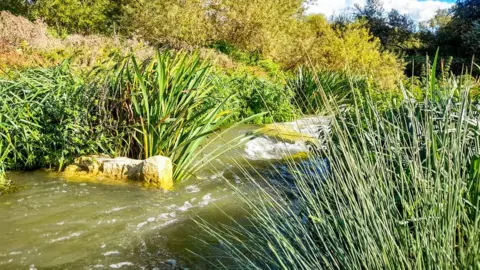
x: 57, y: 223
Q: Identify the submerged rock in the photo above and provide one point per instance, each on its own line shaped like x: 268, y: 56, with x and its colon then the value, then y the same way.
x: 155, y: 171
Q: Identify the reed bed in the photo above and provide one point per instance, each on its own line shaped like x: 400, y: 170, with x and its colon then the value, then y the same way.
x: 392, y: 189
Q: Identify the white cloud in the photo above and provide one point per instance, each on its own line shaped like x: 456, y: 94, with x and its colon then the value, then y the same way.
x: 418, y: 10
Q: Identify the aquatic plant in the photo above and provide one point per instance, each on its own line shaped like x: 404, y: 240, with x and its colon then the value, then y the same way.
x: 168, y: 105
x: 402, y: 191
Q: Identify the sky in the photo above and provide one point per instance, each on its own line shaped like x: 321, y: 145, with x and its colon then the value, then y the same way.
x: 419, y: 10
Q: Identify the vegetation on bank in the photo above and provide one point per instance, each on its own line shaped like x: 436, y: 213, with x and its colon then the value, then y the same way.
x: 395, y: 187
x: 397, y: 183
x: 86, y: 80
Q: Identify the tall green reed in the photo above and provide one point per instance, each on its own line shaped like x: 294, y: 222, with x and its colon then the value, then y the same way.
x: 397, y: 189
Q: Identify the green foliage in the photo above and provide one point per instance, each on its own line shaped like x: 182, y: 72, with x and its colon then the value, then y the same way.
x: 396, y: 31
x: 262, y: 33
x: 249, y: 58
x: 455, y: 32
x: 49, y: 118
x: 396, y: 188
x: 75, y: 16
x: 169, y: 102
x: 17, y: 7
x: 250, y: 95
x: 159, y: 107
x: 169, y: 23
x: 309, y: 88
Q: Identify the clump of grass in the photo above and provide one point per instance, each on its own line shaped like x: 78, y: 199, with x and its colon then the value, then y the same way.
x: 397, y: 189
x: 159, y: 107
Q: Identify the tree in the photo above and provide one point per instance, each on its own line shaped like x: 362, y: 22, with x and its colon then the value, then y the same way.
x: 463, y: 27
x: 170, y: 23
x: 441, y: 19
x: 76, y: 16
x: 471, y: 39
x: 401, y: 29
x: 395, y: 30
x: 17, y: 7
x: 373, y: 14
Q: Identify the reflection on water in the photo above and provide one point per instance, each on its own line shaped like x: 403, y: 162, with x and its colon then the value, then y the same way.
x: 57, y: 224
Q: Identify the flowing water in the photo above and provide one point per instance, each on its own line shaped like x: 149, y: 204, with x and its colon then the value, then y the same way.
x: 55, y: 223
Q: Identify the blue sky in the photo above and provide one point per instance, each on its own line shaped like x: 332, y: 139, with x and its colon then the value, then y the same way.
x: 419, y: 10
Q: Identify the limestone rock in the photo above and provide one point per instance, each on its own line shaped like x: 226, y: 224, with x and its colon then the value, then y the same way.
x: 93, y: 164
x: 122, y: 168
x: 155, y: 171
x: 73, y: 169
x: 158, y: 171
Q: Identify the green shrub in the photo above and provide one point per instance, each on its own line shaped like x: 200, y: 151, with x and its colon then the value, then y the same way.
x: 50, y: 117
x: 309, y: 86
x: 251, y: 95
x: 76, y: 16
x: 159, y: 107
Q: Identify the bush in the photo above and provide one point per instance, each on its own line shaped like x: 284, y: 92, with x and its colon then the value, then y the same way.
x: 76, y: 16
x: 251, y: 95
x: 25, y: 44
x: 337, y: 86
x: 50, y: 117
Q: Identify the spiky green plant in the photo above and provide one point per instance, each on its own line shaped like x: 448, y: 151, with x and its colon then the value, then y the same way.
x: 169, y: 106
x: 395, y: 189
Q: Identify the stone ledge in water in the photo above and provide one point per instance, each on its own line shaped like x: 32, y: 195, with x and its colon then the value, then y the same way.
x: 155, y: 171
x: 279, y: 132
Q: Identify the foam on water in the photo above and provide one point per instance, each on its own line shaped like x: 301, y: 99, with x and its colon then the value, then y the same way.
x: 192, y: 189
x: 109, y: 253
x: 72, y: 235
x: 120, y: 265
x: 264, y: 149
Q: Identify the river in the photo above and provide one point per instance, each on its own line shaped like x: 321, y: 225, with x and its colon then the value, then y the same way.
x: 58, y: 223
